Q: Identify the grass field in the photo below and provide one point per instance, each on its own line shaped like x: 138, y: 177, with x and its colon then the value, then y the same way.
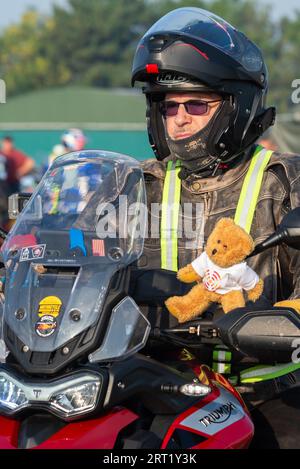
x: 112, y: 119
x: 75, y: 105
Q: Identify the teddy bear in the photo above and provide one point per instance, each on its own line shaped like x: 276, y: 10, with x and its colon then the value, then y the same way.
x: 221, y: 272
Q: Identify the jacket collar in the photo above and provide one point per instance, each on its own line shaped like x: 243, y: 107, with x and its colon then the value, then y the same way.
x: 197, y: 185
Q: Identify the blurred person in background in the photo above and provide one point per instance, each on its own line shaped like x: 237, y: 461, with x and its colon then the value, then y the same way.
x: 71, y: 140
x: 18, y: 164
x: 68, y: 199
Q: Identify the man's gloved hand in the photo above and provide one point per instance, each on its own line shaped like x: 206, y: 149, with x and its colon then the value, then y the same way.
x: 295, y: 304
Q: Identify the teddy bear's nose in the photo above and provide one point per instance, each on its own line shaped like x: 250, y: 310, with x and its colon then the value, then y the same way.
x: 214, y: 251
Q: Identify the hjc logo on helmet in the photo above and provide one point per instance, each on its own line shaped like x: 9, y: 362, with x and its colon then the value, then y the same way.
x: 170, y: 78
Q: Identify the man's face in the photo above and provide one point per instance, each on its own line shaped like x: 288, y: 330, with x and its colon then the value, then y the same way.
x: 6, y: 145
x: 183, y: 124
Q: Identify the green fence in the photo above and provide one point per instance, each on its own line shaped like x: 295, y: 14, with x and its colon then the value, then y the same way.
x: 39, y: 143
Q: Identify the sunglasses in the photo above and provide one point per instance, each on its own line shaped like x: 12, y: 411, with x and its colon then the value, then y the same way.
x: 195, y: 107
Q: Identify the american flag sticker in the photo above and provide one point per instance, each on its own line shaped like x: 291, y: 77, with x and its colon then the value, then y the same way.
x: 98, y: 247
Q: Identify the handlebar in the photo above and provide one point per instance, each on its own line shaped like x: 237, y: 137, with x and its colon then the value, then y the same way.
x: 192, y: 333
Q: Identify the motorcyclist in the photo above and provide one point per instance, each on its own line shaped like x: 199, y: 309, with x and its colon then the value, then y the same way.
x: 206, y: 84
x: 71, y: 140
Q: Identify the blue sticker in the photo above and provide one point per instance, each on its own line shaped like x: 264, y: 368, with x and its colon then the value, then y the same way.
x: 76, y: 240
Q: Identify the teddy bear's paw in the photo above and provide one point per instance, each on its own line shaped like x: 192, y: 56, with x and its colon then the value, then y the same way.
x: 256, y: 292
x: 173, y: 305
x: 180, y: 311
x: 187, y: 274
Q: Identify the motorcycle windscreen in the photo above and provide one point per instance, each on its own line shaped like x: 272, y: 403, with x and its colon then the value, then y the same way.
x: 85, y: 221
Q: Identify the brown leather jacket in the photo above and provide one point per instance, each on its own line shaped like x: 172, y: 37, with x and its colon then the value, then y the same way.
x: 218, y: 197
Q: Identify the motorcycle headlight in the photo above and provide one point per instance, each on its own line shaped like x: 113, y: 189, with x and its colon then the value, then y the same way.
x: 75, y: 400
x: 66, y: 397
x: 11, y: 395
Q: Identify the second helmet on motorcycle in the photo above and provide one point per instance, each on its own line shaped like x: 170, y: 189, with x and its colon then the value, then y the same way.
x: 190, y: 49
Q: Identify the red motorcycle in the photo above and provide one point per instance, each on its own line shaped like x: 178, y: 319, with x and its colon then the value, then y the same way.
x: 81, y: 365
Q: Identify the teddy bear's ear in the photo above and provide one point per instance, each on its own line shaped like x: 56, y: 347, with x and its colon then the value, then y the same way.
x: 225, y: 222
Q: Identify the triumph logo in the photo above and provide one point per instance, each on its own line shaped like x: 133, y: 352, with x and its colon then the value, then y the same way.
x: 219, y: 415
x: 170, y: 79
x: 37, y: 393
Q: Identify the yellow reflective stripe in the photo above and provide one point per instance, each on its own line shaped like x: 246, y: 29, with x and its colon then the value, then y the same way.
x: 263, y: 373
x: 55, y: 200
x: 222, y: 368
x: 169, y: 218
x: 221, y: 356
x: 251, y: 187
x: 243, y: 194
x: 175, y: 215
x: 164, y: 220
x: 222, y: 353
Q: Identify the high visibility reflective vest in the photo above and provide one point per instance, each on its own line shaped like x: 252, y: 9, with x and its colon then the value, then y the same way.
x: 263, y: 372
x: 243, y: 216
x: 222, y: 360
x: 171, y: 204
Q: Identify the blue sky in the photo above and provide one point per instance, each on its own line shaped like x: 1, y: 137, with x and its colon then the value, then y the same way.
x: 12, y: 10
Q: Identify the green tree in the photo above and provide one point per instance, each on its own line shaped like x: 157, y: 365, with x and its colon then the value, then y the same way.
x: 24, y: 63
x: 96, y: 39
x: 92, y: 42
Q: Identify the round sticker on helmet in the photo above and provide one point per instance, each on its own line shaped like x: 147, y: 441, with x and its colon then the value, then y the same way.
x: 45, y: 326
x: 50, y: 305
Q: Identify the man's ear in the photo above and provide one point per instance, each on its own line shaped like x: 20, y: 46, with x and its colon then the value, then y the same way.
x: 224, y: 223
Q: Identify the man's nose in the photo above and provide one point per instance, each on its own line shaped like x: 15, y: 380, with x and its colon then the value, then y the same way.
x: 182, y: 117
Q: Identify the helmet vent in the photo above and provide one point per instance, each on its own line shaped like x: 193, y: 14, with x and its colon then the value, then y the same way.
x: 156, y: 44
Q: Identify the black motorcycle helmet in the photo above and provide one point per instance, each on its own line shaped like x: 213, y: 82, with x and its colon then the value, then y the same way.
x: 191, y: 49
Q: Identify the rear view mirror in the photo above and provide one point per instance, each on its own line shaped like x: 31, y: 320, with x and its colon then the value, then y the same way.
x: 287, y: 232
x: 269, y: 335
